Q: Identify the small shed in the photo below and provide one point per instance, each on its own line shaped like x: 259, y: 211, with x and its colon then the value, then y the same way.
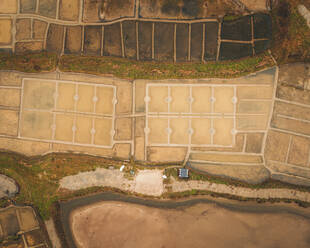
x: 183, y: 173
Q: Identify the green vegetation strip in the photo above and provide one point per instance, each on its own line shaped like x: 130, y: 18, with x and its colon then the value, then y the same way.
x: 130, y: 69
x: 37, y: 62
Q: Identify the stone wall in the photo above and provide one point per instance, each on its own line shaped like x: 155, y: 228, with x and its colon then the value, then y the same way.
x: 74, y: 27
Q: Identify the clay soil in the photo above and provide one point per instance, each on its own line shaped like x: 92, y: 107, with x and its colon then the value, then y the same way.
x: 120, y: 224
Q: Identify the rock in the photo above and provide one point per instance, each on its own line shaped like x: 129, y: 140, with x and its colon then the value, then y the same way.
x: 305, y: 13
x: 8, y: 187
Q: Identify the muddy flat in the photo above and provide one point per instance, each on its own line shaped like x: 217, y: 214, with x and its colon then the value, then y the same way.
x: 121, y: 224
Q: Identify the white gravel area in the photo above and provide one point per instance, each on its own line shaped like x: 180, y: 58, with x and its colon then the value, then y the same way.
x: 99, y: 177
x: 149, y: 182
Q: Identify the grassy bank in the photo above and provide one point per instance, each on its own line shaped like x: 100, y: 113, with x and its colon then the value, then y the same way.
x: 33, y: 63
x: 39, y: 177
x: 130, y: 69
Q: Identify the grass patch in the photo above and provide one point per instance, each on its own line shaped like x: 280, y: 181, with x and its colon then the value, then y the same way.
x: 37, y: 62
x: 231, y: 17
x: 130, y: 69
x: 39, y: 178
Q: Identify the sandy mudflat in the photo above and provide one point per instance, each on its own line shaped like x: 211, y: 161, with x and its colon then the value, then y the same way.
x: 120, y: 224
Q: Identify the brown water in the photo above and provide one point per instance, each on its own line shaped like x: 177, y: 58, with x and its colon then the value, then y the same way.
x: 121, y: 224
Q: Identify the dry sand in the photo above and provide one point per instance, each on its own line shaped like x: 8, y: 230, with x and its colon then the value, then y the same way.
x: 119, y: 224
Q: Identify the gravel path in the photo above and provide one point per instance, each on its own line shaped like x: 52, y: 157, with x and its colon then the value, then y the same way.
x: 150, y: 182
x: 240, y: 191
